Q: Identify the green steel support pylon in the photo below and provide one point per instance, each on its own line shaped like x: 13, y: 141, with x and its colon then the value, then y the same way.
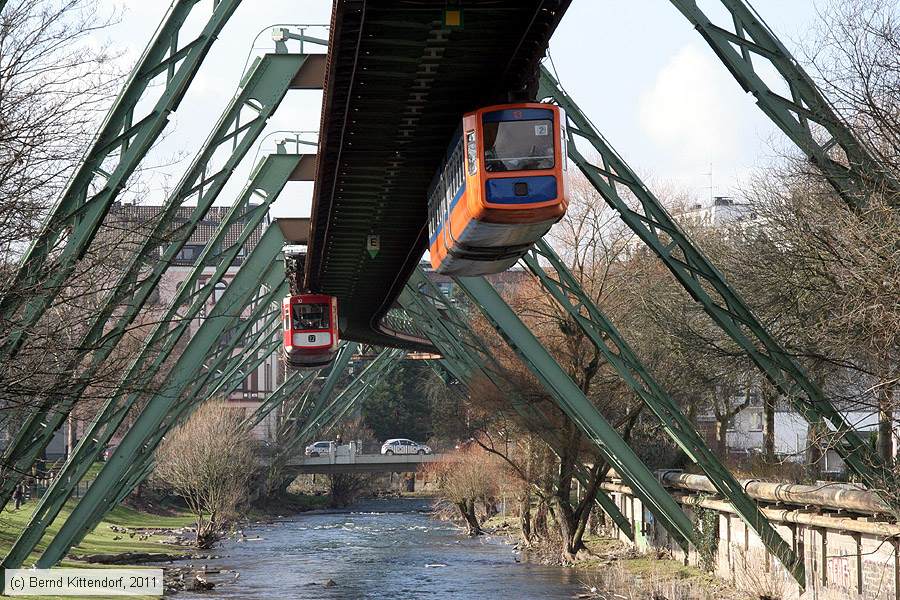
x: 143, y: 463
x: 265, y: 184
x: 336, y: 370
x: 122, y: 142
x: 567, y: 292
x: 469, y: 357
x: 284, y: 392
x: 744, y: 37
x: 264, y: 86
x: 573, y: 402
x: 326, y: 415
x: 650, y: 221
x: 258, y: 270
x: 536, y: 424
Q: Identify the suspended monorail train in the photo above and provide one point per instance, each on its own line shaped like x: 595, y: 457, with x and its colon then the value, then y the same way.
x: 310, y: 329
x: 500, y: 188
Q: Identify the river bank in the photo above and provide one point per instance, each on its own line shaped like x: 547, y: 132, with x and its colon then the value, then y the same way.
x: 618, y: 572
x: 134, y: 537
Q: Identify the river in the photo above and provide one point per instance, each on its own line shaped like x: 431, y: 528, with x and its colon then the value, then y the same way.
x: 377, y: 549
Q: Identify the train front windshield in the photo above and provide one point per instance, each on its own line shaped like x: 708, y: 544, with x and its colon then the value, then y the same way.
x: 517, y: 145
x: 311, y: 316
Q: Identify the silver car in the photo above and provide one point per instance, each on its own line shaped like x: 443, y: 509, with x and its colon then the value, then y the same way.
x: 404, y: 446
x: 320, y: 448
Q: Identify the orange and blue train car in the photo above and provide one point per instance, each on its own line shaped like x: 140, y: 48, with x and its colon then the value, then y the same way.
x: 500, y: 188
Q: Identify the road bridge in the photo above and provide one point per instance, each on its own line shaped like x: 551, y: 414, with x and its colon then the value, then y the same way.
x: 345, y: 462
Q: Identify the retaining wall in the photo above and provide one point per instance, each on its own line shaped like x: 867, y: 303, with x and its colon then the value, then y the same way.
x: 847, y: 556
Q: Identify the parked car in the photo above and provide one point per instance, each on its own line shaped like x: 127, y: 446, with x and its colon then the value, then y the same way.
x: 320, y: 448
x: 403, y: 446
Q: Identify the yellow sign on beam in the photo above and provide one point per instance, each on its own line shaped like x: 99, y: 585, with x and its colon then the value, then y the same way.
x: 453, y: 17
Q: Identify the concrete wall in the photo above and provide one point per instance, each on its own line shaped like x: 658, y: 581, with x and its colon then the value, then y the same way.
x: 840, y: 564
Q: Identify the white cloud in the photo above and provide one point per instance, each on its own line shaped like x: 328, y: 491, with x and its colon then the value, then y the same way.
x: 690, y: 109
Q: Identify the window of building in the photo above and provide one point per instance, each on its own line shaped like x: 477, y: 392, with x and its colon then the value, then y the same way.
x: 219, y: 291
x: 189, y: 253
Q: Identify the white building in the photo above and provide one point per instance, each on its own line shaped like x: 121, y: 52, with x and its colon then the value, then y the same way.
x: 722, y: 211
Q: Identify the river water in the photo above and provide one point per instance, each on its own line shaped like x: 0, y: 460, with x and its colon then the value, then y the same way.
x: 380, y: 549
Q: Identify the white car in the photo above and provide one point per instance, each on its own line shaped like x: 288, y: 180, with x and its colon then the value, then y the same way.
x: 403, y: 446
x: 320, y: 448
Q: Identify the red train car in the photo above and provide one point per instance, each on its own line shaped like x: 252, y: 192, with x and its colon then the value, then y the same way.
x: 310, y: 329
x: 501, y: 187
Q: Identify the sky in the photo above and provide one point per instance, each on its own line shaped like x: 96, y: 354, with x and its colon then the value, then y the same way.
x: 638, y: 69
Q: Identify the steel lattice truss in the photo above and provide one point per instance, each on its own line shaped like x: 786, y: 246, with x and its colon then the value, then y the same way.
x: 205, y: 367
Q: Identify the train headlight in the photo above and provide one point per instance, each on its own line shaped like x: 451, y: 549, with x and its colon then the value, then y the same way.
x: 471, y: 152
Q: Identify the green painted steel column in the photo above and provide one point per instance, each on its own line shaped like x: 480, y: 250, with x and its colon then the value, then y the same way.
x: 534, y: 423
x: 77, y: 216
x: 573, y: 401
x: 742, y: 38
x: 447, y: 333
x: 266, y: 182
x: 264, y: 87
x: 327, y: 415
x: 567, y: 292
x: 224, y: 370
x: 650, y: 221
x: 282, y: 393
x: 254, y: 272
x: 338, y: 367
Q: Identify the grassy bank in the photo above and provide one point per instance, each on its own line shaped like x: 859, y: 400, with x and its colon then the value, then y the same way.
x: 106, y: 540
x: 103, y: 540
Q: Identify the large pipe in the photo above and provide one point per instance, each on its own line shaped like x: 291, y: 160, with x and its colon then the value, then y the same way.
x: 833, y: 496
x: 877, y: 528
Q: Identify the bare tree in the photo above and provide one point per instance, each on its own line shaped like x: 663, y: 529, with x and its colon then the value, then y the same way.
x: 209, y: 461
x: 470, y: 477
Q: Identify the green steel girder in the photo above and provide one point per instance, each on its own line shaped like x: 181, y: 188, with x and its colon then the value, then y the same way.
x: 338, y: 366
x: 266, y: 183
x: 746, y: 37
x: 325, y: 416
x: 122, y: 142
x: 573, y: 402
x: 567, y: 292
x: 143, y: 462
x: 264, y: 87
x: 223, y: 369
x: 449, y: 332
x: 257, y: 270
x: 650, y: 221
x: 537, y: 424
x: 279, y: 395
x: 88, y: 450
